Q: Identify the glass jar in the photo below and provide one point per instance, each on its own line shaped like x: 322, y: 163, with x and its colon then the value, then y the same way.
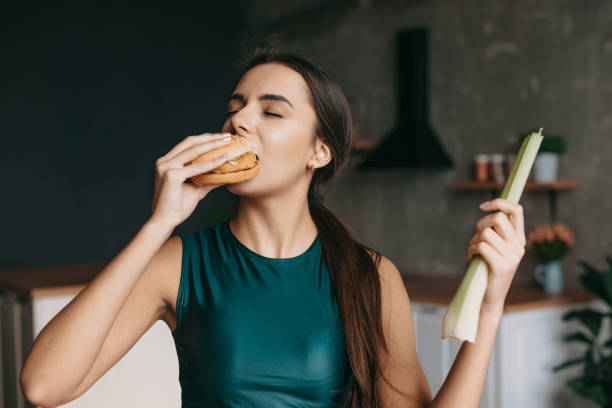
x: 481, y: 164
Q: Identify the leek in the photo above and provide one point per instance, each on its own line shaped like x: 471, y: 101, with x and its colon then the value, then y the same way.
x: 461, y: 318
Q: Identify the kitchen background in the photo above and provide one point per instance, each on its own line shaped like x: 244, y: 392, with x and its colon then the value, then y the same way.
x: 92, y: 95
x: 87, y: 115
x: 497, y: 69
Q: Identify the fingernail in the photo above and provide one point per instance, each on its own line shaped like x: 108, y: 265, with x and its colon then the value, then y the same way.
x: 485, y: 204
x: 224, y: 156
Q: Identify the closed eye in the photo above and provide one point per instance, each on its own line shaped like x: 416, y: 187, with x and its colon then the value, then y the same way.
x: 230, y: 113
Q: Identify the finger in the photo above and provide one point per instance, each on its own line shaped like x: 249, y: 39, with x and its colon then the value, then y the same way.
x: 191, y: 141
x: 496, y: 242
x: 514, y: 246
x: 489, y: 254
x: 183, y: 173
x: 185, y: 157
x: 513, y: 210
x: 500, y: 222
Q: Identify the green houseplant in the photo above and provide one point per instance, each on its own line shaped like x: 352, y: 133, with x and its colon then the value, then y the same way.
x: 546, y: 165
x: 596, y: 380
x: 551, y: 143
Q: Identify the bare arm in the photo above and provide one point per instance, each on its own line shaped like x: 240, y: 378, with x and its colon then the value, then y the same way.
x: 500, y: 239
x: 464, y: 383
x: 404, y: 384
x: 65, y: 350
x: 111, y: 313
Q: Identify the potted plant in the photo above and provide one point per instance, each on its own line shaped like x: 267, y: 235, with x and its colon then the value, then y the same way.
x: 596, y: 380
x: 546, y: 164
x: 550, y: 243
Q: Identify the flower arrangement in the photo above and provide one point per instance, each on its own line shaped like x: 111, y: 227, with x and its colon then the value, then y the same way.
x: 550, y: 242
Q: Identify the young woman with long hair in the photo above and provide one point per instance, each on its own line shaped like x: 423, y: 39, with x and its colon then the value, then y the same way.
x: 280, y: 305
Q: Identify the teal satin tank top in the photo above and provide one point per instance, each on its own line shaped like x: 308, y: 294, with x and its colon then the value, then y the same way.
x: 254, y: 331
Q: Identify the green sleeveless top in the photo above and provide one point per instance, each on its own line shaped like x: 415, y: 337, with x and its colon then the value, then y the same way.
x: 254, y: 331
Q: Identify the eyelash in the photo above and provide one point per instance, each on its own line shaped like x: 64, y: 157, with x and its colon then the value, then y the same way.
x: 230, y: 113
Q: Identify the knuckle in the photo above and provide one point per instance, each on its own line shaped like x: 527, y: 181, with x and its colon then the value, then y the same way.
x: 160, y: 168
x: 171, y: 174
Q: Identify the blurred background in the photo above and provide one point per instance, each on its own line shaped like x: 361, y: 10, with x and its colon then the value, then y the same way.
x: 93, y: 94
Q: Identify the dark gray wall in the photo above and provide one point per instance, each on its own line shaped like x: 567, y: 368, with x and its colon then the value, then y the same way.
x: 91, y: 97
x: 497, y: 68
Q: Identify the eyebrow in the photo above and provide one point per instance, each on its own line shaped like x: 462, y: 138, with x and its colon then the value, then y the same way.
x: 271, y: 97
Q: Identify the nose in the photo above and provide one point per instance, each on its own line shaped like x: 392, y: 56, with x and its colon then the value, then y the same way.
x: 242, y: 125
x: 241, y: 122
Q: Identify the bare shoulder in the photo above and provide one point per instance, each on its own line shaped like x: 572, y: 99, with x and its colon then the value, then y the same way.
x: 170, y: 260
x: 403, y: 377
x: 394, y: 296
x: 387, y: 270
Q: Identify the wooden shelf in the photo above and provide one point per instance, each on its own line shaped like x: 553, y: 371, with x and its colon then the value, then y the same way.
x: 531, y: 185
x: 494, y: 188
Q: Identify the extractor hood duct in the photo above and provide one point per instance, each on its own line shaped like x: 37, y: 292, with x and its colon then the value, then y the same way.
x: 412, y: 143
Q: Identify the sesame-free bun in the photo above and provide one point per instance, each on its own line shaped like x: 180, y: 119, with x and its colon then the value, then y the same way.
x: 242, y: 164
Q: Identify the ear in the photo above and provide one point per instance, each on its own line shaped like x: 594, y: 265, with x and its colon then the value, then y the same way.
x: 322, y: 156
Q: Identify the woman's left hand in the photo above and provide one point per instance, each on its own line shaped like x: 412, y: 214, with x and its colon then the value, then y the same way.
x: 500, y: 240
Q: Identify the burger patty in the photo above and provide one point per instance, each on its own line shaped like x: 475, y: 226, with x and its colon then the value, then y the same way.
x: 243, y: 162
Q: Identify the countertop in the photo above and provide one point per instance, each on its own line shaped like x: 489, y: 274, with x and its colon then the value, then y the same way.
x: 35, y: 282
x: 521, y: 296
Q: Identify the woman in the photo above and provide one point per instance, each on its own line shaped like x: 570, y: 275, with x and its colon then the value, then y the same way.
x: 280, y: 305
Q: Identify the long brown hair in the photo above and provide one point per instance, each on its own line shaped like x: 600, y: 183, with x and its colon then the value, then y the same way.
x: 352, y: 270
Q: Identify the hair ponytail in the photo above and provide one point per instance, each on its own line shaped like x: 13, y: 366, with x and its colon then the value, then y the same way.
x: 354, y: 279
x: 352, y: 266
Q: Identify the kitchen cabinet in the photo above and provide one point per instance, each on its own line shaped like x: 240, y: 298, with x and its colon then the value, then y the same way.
x: 528, y: 344
x: 146, y: 376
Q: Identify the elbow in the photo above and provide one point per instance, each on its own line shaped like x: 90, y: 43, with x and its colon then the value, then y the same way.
x: 34, y: 392
x: 38, y: 397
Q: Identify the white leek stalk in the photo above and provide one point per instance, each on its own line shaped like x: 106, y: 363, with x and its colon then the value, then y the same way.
x: 461, y: 318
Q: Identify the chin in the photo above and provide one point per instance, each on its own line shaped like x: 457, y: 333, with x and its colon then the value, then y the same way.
x: 244, y: 188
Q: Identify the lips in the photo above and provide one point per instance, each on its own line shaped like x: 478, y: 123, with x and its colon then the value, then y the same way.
x: 254, y: 150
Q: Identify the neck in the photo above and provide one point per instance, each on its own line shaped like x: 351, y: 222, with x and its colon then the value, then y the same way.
x: 275, y: 227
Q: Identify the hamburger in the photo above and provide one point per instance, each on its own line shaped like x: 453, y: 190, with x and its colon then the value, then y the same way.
x: 242, y: 165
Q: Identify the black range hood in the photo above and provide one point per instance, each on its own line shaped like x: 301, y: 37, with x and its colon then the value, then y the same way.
x: 413, y: 143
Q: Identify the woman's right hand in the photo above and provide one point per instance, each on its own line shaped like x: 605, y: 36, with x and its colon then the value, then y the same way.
x: 173, y: 199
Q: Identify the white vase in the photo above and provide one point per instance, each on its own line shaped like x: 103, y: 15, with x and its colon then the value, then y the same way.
x: 546, y: 167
